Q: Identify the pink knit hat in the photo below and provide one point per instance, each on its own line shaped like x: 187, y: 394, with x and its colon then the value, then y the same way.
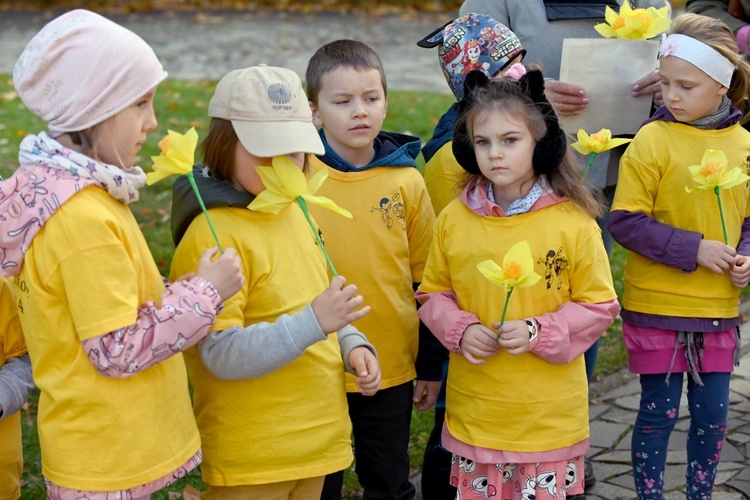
x: 81, y: 69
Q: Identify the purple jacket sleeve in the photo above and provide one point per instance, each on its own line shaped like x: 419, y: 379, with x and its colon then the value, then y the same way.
x: 188, y: 310
x: 440, y: 313
x: 567, y: 333
x: 655, y: 240
x: 743, y: 247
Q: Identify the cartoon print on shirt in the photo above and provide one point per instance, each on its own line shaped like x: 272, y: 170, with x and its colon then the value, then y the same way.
x: 554, y: 264
x: 391, y: 206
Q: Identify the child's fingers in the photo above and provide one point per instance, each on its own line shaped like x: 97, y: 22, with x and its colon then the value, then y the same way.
x: 358, y: 314
x: 471, y: 359
x: 337, y: 283
x: 208, y: 254
x: 353, y: 302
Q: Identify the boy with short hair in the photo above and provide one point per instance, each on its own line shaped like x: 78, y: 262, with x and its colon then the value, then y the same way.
x: 383, y: 249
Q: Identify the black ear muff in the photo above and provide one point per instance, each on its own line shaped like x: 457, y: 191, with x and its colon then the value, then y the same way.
x: 550, y: 150
x: 463, y: 150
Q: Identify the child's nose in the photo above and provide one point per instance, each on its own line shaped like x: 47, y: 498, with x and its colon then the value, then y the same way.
x: 359, y: 109
x: 150, y: 124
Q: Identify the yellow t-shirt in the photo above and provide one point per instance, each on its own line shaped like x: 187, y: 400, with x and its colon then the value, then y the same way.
x: 653, y: 176
x: 442, y: 175
x: 85, y: 274
x: 11, y: 449
x: 518, y: 403
x: 292, y: 423
x: 382, y: 250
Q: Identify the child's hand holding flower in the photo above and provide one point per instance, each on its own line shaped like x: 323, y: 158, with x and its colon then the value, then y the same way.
x: 478, y: 342
x: 514, y: 336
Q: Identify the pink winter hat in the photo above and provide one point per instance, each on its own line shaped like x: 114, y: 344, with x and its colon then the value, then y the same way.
x: 81, y: 68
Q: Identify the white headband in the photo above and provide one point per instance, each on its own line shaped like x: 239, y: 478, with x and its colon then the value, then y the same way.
x: 705, y: 58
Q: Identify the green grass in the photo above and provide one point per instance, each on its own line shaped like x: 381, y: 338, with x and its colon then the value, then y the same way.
x: 179, y: 106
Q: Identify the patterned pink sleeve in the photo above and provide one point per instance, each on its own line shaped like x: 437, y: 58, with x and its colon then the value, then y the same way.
x: 189, y: 308
x: 567, y: 333
x: 440, y: 313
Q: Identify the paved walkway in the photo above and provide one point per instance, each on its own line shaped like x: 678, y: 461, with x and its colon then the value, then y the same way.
x: 213, y: 44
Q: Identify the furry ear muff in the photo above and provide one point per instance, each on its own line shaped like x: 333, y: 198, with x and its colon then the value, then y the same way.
x: 463, y: 149
x: 550, y: 150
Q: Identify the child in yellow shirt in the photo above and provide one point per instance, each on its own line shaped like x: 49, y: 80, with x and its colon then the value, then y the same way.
x: 269, y: 380
x: 15, y: 386
x: 383, y: 247
x: 104, y: 331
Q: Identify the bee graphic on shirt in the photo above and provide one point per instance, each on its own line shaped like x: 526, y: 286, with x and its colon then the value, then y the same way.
x: 389, y: 208
x: 554, y: 264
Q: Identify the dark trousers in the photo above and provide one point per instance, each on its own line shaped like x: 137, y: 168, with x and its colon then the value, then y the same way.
x: 380, y: 425
x: 436, y: 468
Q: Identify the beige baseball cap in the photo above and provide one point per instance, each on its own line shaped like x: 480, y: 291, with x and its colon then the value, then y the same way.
x: 268, y: 109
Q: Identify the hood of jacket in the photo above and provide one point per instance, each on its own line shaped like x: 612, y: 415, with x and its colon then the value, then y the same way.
x: 442, y: 134
x: 475, y: 198
x: 391, y: 150
x: 214, y: 193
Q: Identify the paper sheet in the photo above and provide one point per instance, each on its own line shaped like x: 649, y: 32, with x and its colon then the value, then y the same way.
x: 607, y: 69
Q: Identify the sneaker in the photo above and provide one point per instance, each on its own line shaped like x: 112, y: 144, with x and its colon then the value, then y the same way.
x: 589, y: 479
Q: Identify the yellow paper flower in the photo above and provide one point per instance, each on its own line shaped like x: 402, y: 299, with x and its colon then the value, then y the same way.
x: 517, y: 269
x: 177, y: 156
x: 634, y: 24
x: 714, y: 172
x: 285, y: 182
x: 598, y: 142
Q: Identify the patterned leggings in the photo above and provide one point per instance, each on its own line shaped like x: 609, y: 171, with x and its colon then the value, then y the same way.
x: 656, y: 419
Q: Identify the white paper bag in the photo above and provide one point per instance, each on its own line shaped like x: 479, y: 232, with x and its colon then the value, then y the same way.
x: 607, y: 68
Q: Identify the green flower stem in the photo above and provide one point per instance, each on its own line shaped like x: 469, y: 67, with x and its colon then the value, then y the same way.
x: 303, y: 206
x: 592, y: 157
x: 203, y: 207
x: 505, y: 310
x: 721, y: 213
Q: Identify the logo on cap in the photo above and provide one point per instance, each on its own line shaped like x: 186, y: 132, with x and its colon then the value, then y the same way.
x: 279, y: 93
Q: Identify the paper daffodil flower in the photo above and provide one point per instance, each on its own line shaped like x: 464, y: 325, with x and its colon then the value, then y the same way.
x: 286, y: 184
x: 177, y: 156
x: 595, y: 143
x: 634, y: 24
x: 714, y: 173
x: 517, y: 271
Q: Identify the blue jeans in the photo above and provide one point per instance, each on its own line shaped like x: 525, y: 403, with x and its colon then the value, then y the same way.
x: 656, y: 419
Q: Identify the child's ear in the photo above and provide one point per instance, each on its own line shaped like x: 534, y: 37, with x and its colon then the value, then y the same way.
x: 385, y: 111
x: 317, y: 119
